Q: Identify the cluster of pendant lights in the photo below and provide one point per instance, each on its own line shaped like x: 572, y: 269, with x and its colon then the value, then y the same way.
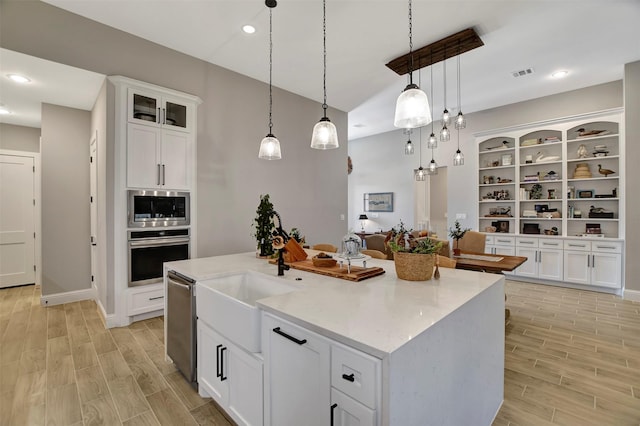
x: 325, y: 135
x: 413, y: 111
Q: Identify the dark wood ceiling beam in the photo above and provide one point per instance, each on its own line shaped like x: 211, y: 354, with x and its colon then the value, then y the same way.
x: 438, y: 51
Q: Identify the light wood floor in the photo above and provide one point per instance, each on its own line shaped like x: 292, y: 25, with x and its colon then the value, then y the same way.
x: 60, y: 366
x: 571, y: 357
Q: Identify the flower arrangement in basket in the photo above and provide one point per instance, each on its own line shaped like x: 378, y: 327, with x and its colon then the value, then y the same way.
x: 414, y: 258
x: 457, y: 233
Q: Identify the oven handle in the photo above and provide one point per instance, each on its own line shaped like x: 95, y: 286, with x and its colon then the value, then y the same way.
x: 159, y: 242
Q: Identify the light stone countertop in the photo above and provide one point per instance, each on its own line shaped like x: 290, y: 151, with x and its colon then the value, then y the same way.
x: 377, y: 315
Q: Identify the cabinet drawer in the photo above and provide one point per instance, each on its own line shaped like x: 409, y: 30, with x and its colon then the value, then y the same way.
x: 490, y: 239
x: 355, y: 374
x: 552, y: 244
x: 504, y: 241
x: 577, y: 245
x: 526, y: 242
x: 606, y: 247
x: 141, y: 302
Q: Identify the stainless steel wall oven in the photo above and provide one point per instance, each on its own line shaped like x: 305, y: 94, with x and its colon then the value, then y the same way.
x: 148, y: 250
x: 150, y: 209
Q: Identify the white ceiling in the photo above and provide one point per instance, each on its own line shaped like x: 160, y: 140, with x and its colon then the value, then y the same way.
x: 592, y: 39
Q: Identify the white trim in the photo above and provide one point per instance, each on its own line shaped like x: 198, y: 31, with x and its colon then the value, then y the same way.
x: 67, y: 297
x: 141, y: 84
x: 37, y: 188
x: 631, y: 295
x: 595, y: 114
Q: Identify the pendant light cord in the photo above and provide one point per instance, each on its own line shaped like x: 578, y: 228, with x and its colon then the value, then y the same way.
x: 270, y: 67
x: 444, y: 71
x: 459, y: 102
x: 410, y: 44
x: 324, y: 55
x: 432, y: 101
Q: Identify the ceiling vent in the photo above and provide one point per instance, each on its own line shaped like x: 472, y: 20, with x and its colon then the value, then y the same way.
x: 522, y: 73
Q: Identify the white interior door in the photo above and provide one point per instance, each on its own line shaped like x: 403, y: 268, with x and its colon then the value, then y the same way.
x: 17, y: 221
x: 93, y: 188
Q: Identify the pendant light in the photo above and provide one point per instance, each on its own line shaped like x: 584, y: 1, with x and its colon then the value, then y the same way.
x: 460, y: 122
x: 432, y: 169
x: 412, y: 106
x: 446, y: 118
x: 408, y: 147
x: 458, y: 157
x: 325, y: 135
x: 270, y: 145
x: 433, y: 141
x: 420, y: 173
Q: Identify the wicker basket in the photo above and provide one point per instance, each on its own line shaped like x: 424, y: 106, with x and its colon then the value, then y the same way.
x: 323, y: 262
x: 414, y: 266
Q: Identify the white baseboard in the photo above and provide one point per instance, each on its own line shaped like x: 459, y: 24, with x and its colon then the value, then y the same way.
x: 631, y: 295
x: 68, y: 297
x: 109, y: 320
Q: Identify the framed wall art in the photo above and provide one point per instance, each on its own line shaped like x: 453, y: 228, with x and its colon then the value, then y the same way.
x: 378, y: 202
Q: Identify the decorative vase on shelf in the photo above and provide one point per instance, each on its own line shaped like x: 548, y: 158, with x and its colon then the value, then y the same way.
x: 582, y: 151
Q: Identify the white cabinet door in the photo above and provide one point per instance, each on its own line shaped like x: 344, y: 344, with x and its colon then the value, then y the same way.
x: 346, y: 411
x: 550, y: 264
x: 297, y: 375
x: 606, y: 269
x: 577, y: 267
x: 143, y: 157
x: 176, y: 114
x: 175, y: 152
x: 245, y: 386
x: 143, y: 107
x: 505, y: 250
x: 530, y: 267
x: 211, y: 370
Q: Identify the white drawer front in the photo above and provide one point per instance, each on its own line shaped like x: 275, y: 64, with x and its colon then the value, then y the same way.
x: 577, y: 245
x: 490, y: 239
x: 145, y: 301
x: 526, y: 242
x: 606, y: 247
x: 355, y: 374
x: 552, y: 244
x: 504, y: 241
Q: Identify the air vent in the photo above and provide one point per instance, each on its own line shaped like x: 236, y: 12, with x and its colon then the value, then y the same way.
x: 522, y: 73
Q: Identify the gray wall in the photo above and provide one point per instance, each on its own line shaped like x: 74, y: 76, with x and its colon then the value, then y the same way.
x: 632, y: 159
x: 19, y: 138
x: 308, y: 187
x: 65, y: 203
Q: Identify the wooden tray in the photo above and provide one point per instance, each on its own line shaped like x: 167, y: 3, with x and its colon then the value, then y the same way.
x: 358, y: 273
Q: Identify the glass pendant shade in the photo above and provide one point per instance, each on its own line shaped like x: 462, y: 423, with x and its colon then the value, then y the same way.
x: 420, y: 174
x: 325, y: 135
x: 270, y: 148
x: 461, y: 122
x: 408, y: 148
x: 432, y: 169
x: 432, y: 142
x: 412, y: 108
x: 445, y: 134
x: 446, y: 117
x: 458, y: 158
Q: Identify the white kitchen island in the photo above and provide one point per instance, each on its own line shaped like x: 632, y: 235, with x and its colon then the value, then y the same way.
x: 382, y: 351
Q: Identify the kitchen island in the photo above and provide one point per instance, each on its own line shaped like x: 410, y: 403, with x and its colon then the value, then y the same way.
x: 434, y: 350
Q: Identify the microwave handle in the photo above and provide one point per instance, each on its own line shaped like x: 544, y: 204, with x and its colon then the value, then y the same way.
x: 159, y: 242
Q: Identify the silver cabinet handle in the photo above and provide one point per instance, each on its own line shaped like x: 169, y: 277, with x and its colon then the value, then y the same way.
x: 588, y: 261
x: 158, y: 115
x: 158, y: 174
x: 163, y: 174
x: 606, y: 247
x: 593, y: 260
x: 156, y: 298
x: 526, y: 242
x: 539, y: 257
x: 164, y: 116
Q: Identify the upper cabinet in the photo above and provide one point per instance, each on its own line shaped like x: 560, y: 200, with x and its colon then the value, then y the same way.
x: 159, y: 110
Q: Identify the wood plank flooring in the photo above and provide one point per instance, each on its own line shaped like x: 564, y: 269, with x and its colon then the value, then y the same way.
x: 571, y: 358
x: 60, y: 366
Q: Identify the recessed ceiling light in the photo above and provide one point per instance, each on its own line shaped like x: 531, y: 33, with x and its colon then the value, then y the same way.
x: 359, y: 125
x: 18, y: 78
x: 560, y: 74
x: 249, y: 29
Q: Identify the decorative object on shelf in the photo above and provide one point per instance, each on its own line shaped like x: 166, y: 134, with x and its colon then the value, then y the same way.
x: 582, y: 151
x: 541, y: 158
x: 528, y: 159
x: 270, y: 145
x: 530, y: 142
x: 600, y: 151
x: 551, y: 194
x: 577, y: 214
x: 499, y: 212
x: 551, y: 176
x: 490, y: 229
x: 263, y: 224
x: 605, y: 172
x: 378, y: 202
x: 530, y: 228
x: 571, y: 192
x: 552, y: 231
x: 501, y: 226
x: 325, y: 135
x: 414, y: 259
x: 593, y: 228
x: 583, y: 133
x: 412, y: 106
x: 457, y: 233
x: 532, y: 178
x: 600, y: 213
x: 536, y: 192
x: 586, y: 193
x: 507, y: 159
x: 582, y: 171
x: 363, y: 220
x: 487, y: 180
x: 504, y: 180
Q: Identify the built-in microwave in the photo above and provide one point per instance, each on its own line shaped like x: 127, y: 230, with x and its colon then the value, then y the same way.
x: 150, y: 208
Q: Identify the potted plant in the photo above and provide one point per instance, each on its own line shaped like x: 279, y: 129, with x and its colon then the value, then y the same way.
x: 295, y: 234
x: 414, y: 259
x: 264, y: 226
x: 456, y: 233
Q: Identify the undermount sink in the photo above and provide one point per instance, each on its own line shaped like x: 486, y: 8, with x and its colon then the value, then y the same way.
x: 228, y: 304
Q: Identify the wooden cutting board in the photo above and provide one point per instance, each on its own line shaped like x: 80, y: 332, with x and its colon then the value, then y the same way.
x: 358, y: 273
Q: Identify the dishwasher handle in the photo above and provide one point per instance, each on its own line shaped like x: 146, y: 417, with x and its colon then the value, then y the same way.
x: 178, y: 278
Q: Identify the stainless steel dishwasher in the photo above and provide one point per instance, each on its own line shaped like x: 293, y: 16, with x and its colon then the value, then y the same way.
x: 181, y: 325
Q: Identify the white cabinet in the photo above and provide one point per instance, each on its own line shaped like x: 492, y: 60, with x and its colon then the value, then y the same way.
x: 230, y: 376
x: 500, y: 244
x: 544, y: 258
x: 297, y: 363
x: 593, y: 263
x: 158, y: 158
x: 346, y: 411
x: 158, y: 109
